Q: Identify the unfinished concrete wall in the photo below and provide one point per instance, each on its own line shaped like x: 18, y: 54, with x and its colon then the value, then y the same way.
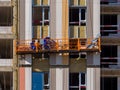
x: 118, y: 83
x: 77, y: 65
x: 5, y: 3
x: 22, y: 20
x: 40, y: 65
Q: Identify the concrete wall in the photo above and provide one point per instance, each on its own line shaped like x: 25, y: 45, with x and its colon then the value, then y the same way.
x: 59, y: 78
x: 93, y: 18
x: 93, y: 78
x: 77, y: 65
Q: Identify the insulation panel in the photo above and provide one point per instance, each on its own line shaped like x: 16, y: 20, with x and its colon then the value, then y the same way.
x: 37, y: 2
x: 82, y: 31
x: 45, y: 32
x: 74, y: 2
x: 45, y: 2
x: 36, y: 32
x: 82, y: 2
x: 73, y: 31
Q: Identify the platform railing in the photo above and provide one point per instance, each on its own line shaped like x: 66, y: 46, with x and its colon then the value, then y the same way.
x: 40, y: 45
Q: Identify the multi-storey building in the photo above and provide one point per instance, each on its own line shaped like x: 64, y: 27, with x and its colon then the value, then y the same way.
x: 110, y: 52
x: 8, y: 32
x: 71, y: 60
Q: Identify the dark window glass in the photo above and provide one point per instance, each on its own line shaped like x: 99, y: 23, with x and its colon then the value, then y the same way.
x: 108, y: 51
x: 38, y: 18
x: 6, y: 48
x: 109, y: 83
x: 82, y: 14
x: 74, y: 16
x: 83, y: 78
x: 109, y: 19
x: 74, y: 79
x: 6, y: 16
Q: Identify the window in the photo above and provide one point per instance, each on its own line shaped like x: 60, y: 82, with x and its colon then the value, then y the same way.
x: 6, y: 48
x: 46, y: 81
x: 108, y: 24
x: 40, y: 16
x: 108, y: 55
x: 6, y: 16
x: 6, y: 81
x: 77, y: 16
x: 108, y: 83
x: 108, y: 1
x: 77, y: 81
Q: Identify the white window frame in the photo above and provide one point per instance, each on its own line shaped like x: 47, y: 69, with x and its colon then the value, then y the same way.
x: 80, y: 14
x: 48, y: 84
x: 80, y: 81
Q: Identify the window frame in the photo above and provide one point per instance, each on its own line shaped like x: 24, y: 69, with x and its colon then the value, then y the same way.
x: 80, y: 22
x: 80, y: 86
x: 43, y: 21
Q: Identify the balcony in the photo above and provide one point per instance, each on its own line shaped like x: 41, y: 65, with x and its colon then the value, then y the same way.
x: 5, y: 2
x: 57, y: 46
x: 109, y: 2
x: 112, y: 6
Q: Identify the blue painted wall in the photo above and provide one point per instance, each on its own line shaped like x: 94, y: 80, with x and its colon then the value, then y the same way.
x: 37, y: 81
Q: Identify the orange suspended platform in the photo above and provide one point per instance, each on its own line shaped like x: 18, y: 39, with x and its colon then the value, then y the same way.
x: 57, y: 46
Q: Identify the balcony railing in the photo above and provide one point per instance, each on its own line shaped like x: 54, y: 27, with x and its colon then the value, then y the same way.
x: 57, y: 45
x: 110, y: 2
x: 110, y: 62
x: 107, y: 30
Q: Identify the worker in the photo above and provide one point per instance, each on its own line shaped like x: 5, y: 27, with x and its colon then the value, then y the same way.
x: 36, y: 45
x: 32, y: 45
x: 46, y: 43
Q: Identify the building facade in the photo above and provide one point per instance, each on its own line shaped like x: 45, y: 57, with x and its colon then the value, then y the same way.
x: 76, y: 62
x: 110, y: 44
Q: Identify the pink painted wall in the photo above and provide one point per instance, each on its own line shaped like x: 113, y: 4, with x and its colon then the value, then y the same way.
x: 22, y: 78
